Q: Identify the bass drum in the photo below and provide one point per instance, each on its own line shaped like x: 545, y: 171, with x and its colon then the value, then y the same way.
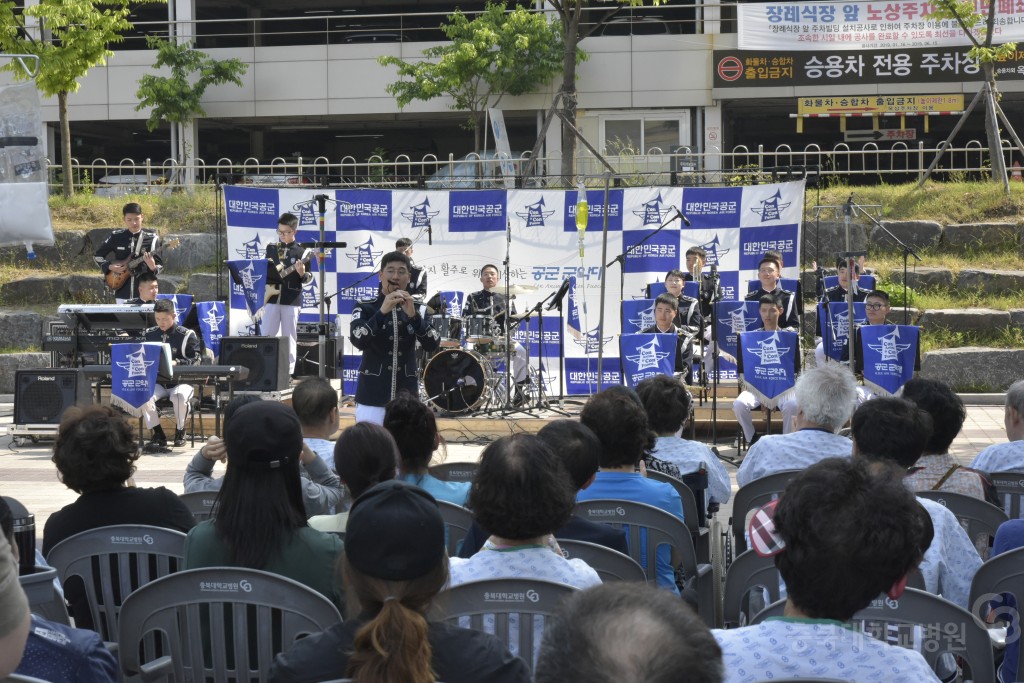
x: 456, y: 381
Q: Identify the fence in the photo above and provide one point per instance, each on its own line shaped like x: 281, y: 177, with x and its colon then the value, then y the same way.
x: 898, y: 164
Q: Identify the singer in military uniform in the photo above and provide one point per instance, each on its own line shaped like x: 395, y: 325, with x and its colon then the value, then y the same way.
x: 386, y: 329
x: 286, y: 275
x: 184, y: 351
x: 124, y: 244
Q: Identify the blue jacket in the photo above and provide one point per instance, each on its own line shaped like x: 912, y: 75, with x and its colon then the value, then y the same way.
x: 62, y: 654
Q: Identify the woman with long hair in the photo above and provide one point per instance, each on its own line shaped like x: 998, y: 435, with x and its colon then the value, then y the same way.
x: 394, y: 565
x: 414, y: 427
x: 261, y: 521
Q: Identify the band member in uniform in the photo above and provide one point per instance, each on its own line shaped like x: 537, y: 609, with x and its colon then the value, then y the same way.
x: 837, y: 294
x: 184, y: 351
x: 386, y: 330
x: 417, y: 276
x: 768, y: 274
x: 149, y: 287
x: 666, y: 313
x: 689, y: 314
x: 287, y: 271
x: 489, y: 301
x: 696, y: 257
x: 128, y: 243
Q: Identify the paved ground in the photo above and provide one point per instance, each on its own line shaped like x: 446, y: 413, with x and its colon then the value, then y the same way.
x: 27, y: 474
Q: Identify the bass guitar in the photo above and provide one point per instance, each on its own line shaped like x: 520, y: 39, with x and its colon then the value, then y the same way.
x: 115, y: 280
x: 273, y: 290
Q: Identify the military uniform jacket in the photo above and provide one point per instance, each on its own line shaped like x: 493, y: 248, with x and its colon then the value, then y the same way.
x: 388, y: 343
x: 790, y: 318
x: 417, y: 282
x: 492, y: 303
x: 689, y: 314
x: 291, y: 286
x: 684, y: 346
x: 123, y: 244
x: 838, y: 295
x: 707, y: 291
x: 183, y: 342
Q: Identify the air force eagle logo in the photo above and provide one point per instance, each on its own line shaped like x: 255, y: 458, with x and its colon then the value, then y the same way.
x: 365, y: 255
x: 419, y: 215
x: 136, y: 363
x: 889, y: 349
x: 252, y: 249
x: 535, y: 214
x: 249, y: 279
x: 648, y: 356
x: 738, y: 320
x: 714, y: 252
x: 645, y: 319
x: 769, y: 351
x: 653, y: 212
x: 213, y: 320
x: 771, y: 209
x: 593, y: 342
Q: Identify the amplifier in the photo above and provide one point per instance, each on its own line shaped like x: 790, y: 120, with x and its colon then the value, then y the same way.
x: 307, y: 362
x: 311, y: 329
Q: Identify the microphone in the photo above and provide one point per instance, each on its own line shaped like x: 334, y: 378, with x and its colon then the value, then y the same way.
x: 430, y: 234
x: 559, y: 294
x: 714, y: 272
x: 682, y: 216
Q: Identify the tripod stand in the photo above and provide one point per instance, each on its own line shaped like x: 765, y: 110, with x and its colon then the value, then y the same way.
x: 541, y: 403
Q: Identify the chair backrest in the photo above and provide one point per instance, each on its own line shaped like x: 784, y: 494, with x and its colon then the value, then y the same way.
x: 979, y: 518
x: 200, y: 504
x: 691, y: 510
x: 455, y: 471
x: 114, y: 561
x: 749, y: 570
x: 752, y: 496
x: 18, y: 678
x: 1003, y: 574
x: 457, y: 521
x: 945, y: 627
x: 1010, y: 489
x: 610, y: 565
x: 647, y: 527
x: 512, y: 609
x: 217, y: 623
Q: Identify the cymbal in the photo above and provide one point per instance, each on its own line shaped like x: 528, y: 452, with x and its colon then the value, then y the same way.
x: 517, y: 290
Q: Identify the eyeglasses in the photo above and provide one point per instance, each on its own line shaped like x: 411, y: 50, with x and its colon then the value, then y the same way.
x: 766, y: 270
x: 393, y: 272
x: 674, y: 281
x: 875, y: 307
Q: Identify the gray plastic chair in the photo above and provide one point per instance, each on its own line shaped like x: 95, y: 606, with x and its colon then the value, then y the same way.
x: 494, y: 603
x: 114, y: 561
x: 1003, y: 573
x: 692, y: 513
x: 610, y: 565
x: 1010, y: 489
x: 200, y: 504
x: 18, y: 678
x: 941, y: 631
x: 752, y: 496
x: 749, y: 570
x: 457, y: 522
x: 979, y: 518
x: 217, y: 623
x: 455, y: 471
x: 646, y: 523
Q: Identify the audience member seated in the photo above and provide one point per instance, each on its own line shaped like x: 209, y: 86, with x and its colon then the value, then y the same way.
x: 394, y: 565
x: 936, y: 470
x: 579, y: 450
x: 1009, y: 536
x: 826, y: 396
x: 364, y: 455
x: 315, y: 401
x: 650, y: 462
x: 627, y: 633
x: 620, y: 424
x: 95, y: 453
x: 668, y: 405
x: 1007, y: 457
x: 55, y: 652
x: 260, y: 521
x: 14, y: 616
x: 521, y: 494
x: 321, y: 487
x: 844, y: 533
x: 894, y: 432
x: 414, y: 427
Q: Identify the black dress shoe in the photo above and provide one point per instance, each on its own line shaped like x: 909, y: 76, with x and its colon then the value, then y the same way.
x: 179, y: 437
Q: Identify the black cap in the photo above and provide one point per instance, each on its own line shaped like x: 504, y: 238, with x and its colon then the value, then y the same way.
x: 263, y: 434
x: 395, y: 532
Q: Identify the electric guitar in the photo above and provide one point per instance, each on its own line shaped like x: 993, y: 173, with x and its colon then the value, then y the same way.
x: 273, y: 290
x: 115, y: 280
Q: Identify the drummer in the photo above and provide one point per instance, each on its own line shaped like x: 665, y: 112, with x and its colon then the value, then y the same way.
x: 489, y: 302
x: 666, y: 308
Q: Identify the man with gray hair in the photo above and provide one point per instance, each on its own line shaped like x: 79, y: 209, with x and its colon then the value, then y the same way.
x: 1007, y: 457
x: 627, y: 633
x: 826, y: 397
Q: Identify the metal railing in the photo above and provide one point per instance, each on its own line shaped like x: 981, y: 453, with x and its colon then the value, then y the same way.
x: 741, y: 166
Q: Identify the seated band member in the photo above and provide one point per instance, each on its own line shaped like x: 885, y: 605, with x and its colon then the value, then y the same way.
x: 184, y: 351
x: 386, y: 330
x: 768, y: 273
x: 689, y: 314
x: 771, y: 310
x: 417, y: 276
x: 666, y: 313
x: 149, y: 287
x: 710, y: 291
x: 837, y: 294
x: 489, y: 301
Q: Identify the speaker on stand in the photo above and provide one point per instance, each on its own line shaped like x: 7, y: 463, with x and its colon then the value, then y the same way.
x: 266, y: 358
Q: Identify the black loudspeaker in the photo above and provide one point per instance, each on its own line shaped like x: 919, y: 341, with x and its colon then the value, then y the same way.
x: 41, y: 396
x: 307, y: 362
x: 266, y: 358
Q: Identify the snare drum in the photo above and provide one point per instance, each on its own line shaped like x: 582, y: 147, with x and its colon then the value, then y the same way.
x: 479, y: 329
x: 456, y: 381
x: 449, y: 329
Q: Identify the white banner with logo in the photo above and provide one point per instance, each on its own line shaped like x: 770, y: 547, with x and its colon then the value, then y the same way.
x: 862, y: 26
x: 735, y: 225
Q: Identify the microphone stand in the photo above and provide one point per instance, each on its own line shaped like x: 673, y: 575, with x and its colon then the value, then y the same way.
x: 907, y: 251
x: 541, y: 402
x: 557, y: 303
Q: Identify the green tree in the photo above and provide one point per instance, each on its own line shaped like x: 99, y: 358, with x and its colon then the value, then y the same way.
x: 500, y: 52
x: 176, y: 98
x: 979, y: 29
x: 76, y: 37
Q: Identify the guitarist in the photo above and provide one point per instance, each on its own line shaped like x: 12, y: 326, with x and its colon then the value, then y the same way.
x: 127, y: 243
x: 281, y: 312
